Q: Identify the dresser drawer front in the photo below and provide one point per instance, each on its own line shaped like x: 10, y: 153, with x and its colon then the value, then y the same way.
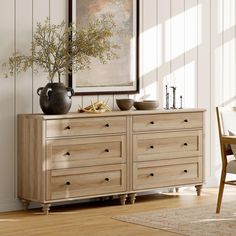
x: 167, y: 121
x: 81, y: 152
x: 85, y: 126
x: 157, y: 146
x: 152, y: 175
x: 91, y: 181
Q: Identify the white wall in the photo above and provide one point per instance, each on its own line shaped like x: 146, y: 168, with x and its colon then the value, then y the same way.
x: 187, y: 43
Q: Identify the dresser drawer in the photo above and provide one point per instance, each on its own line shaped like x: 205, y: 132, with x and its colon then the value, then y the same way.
x: 150, y: 175
x: 85, y: 126
x: 79, y: 182
x: 157, y: 146
x: 80, y: 152
x: 167, y: 121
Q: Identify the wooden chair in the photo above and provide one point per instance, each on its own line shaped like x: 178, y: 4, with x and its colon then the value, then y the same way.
x: 226, y: 118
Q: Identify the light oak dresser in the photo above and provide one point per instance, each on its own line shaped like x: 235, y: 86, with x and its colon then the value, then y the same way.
x: 78, y: 156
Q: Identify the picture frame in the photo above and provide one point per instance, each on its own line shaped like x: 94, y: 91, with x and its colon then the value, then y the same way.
x: 119, y: 76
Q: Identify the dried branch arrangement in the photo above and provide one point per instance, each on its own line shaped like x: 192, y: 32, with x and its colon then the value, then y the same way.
x: 61, y: 49
x: 97, y: 107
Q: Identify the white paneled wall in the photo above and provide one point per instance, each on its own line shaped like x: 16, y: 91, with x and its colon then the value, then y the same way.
x: 223, y: 66
x: 7, y: 104
x: 185, y: 43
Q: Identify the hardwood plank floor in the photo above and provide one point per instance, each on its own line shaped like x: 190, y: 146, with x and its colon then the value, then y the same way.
x: 94, y: 218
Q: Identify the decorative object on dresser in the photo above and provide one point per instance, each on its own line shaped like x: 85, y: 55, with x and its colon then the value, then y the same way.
x: 146, y: 105
x: 125, y: 104
x: 78, y: 156
x: 52, y: 51
x: 96, y: 107
x: 167, y: 98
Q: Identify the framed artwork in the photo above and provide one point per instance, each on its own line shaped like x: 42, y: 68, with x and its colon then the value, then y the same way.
x: 120, y: 75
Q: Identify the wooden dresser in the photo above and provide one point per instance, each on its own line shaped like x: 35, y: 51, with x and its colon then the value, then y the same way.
x: 78, y: 156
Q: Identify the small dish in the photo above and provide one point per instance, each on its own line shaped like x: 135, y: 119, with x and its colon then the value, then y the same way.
x: 124, y: 104
x: 146, y: 105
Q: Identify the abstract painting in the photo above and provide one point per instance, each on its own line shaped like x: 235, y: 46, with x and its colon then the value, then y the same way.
x: 120, y: 75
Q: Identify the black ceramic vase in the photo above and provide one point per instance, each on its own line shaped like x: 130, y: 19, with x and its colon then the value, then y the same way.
x: 55, y: 98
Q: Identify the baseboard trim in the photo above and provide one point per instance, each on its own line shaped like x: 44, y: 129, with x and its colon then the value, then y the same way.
x: 211, y: 182
x: 8, y: 205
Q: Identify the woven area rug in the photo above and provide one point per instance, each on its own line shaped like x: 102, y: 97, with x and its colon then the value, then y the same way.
x: 194, y: 221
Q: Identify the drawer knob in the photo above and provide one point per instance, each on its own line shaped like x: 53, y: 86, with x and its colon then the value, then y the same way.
x: 152, y: 174
x: 107, y: 179
x: 107, y: 150
x: 186, y: 120
x: 185, y: 144
x: 185, y: 171
x: 67, y: 154
x: 67, y: 183
x: 67, y: 127
x: 152, y: 147
x: 152, y: 122
x: 107, y: 125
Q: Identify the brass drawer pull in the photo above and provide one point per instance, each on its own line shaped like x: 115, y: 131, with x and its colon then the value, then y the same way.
x: 185, y: 144
x: 67, y: 183
x: 152, y: 174
x: 107, y: 150
x: 107, y: 179
x: 107, y: 125
x: 68, y: 127
x: 185, y: 171
x: 152, y: 147
x: 186, y: 120
x: 152, y: 122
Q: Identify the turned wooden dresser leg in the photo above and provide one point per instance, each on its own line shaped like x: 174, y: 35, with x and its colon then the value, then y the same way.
x: 123, y: 199
x: 176, y: 190
x: 132, y: 198
x: 198, y: 189
x: 25, y: 204
x: 46, y: 208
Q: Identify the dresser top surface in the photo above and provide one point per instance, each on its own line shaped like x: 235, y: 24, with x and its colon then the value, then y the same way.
x: 72, y: 115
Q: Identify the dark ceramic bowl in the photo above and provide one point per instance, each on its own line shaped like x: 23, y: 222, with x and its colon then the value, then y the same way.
x: 146, y: 105
x: 124, y: 103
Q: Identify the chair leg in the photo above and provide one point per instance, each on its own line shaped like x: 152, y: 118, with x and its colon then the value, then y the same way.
x: 221, y: 190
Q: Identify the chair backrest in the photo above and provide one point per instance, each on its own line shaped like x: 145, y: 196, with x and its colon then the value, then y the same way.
x: 226, y: 117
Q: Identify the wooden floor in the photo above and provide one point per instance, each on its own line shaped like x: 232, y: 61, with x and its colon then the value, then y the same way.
x: 94, y: 219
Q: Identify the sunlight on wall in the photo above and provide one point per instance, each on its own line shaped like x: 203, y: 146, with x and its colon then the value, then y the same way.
x: 149, y: 49
x: 224, y: 50
x: 219, y: 16
x: 185, y: 87
x: 190, y: 98
x: 167, y: 43
x: 177, y: 34
x: 177, y: 28
x: 228, y: 81
x: 154, y: 45
x: 229, y: 14
x: 217, y: 74
x: 191, y: 28
x: 150, y: 91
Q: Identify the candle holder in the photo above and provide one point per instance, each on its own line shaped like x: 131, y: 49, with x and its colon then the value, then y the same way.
x: 167, y: 99
x: 174, y: 98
